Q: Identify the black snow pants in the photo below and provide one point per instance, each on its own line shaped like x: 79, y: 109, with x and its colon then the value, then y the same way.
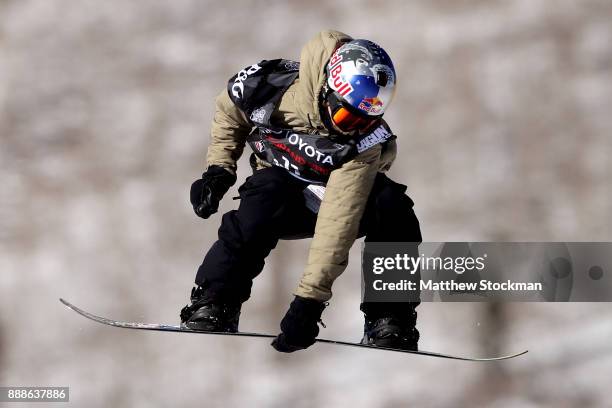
x: 272, y: 207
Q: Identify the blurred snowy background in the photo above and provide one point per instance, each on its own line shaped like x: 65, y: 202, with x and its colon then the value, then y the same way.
x: 505, y: 126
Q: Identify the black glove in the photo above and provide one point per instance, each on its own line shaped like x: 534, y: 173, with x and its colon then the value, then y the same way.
x: 209, y: 190
x: 299, y: 326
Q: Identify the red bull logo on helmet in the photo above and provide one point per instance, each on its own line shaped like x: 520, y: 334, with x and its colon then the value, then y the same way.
x: 335, y: 80
x: 371, y: 105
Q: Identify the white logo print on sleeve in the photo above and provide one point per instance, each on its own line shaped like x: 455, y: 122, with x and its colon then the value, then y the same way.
x: 238, y: 87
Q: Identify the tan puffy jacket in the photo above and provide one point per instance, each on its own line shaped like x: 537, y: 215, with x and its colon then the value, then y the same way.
x: 348, y: 187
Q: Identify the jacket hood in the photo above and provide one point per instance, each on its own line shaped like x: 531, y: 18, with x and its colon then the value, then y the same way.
x: 313, y: 58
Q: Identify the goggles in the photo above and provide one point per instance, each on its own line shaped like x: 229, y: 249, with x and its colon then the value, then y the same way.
x: 345, y: 118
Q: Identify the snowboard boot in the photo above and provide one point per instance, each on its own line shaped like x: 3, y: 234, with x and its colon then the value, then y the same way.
x: 391, y: 332
x: 204, y: 314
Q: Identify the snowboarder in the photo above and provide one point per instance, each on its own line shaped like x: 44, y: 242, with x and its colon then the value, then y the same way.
x: 313, y: 123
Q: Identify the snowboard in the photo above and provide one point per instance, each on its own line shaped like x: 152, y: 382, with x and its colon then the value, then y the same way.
x: 179, y: 329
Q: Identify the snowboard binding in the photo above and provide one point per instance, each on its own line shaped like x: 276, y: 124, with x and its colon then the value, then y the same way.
x: 391, y: 332
x: 206, y: 315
